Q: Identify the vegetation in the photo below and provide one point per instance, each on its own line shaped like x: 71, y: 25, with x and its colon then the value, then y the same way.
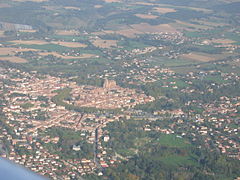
x: 165, y: 156
x: 68, y: 138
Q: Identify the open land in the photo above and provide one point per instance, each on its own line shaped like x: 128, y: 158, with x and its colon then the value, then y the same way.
x: 223, y: 41
x: 67, y: 32
x: 4, y: 5
x: 2, y: 34
x: 162, y: 10
x: 72, y: 7
x: 82, y: 56
x: 30, y: 0
x: 70, y: 44
x: 13, y: 59
x: 5, y: 51
x: 112, y: 1
x: 147, y: 28
x: 30, y: 42
x: 146, y: 16
x: 202, y: 57
x: 102, y: 43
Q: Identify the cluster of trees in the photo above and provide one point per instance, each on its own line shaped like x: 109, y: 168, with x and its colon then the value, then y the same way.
x: 68, y: 138
x: 211, y: 167
x: 159, y: 159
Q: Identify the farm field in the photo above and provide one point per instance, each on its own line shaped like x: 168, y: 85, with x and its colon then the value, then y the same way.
x: 13, y: 59
x: 146, y: 16
x: 67, y: 32
x: 102, y: 43
x: 5, y: 51
x: 202, y: 57
x: 30, y: 0
x: 30, y: 42
x: 2, y: 34
x: 163, y: 10
x: 147, y: 28
x: 82, y: 56
x: 223, y: 41
x: 40, y: 42
x: 69, y: 44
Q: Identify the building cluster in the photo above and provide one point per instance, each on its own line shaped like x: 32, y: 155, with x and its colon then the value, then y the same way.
x: 110, y: 96
x: 30, y: 112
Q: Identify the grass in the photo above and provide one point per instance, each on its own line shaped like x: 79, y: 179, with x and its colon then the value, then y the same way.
x: 27, y: 105
x: 47, y: 47
x: 173, y: 62
x: 177, y: 160
x: 233, y: 36
x: 178, y: 82
x: 126, y: 152
x: 69, y: 37
x: 130, y: 45
x: 208, y: 49
x: 216, y: 79
x: 172, y: 141
x: 62, y: 94
x: 203, y: 34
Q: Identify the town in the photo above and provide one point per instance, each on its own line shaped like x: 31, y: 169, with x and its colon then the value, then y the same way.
x: 114, y: 89
x: 30, y: 112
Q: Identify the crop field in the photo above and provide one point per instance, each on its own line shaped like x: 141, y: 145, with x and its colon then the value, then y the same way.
x: 184, y: 7
x: 13, y: 59
x: 98, y: 6
x: 145, y: 3
x: 67, y: 32
x: 189, y: 26
x: 173, y: 62
x: 162, y: 10
x: 147, y: 28
x: 2, y: 34
x: 143, y: 28
x: 4, y: 5
x: 37, y: 42
x: 223, y: 41
x: 72, y: 8
x: 233, y: 36
x: 130, y: 33
x: 202, y: 57
x: 112, y: 1
x: 70, y: 44
x: 130, y: 45
x: 30, y: 0
x: 102, y: 43
x: 209, y: 23
x: 47, y: 47
x: 9, y: 51
x: 68, y: 37
x: 28, y: 31
x: 61, y: 43
x: 146, y: 16
x: 82, y: 56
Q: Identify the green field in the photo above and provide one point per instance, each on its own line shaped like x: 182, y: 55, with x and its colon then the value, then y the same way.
x: 47, y: 47
x: 69, y: 38
x: 130, y: 45
x: 172, y: 62
x: 175, y: 160
x: 172, y: 141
